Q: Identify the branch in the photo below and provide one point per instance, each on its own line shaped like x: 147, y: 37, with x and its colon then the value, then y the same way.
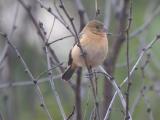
x: 81, y: 50
x: 54, y: 20
x: 38, y: 90
x: 149, y: 46
x: 59, y: 39
x: 87, y: 102
x: 78, y: 95
x: 127, y: 116
x: 52, y: 13
x: 146, y: 24
x: 112, y: 80
x: 26, y: 83
x: 82, y: 13
x: 149, y: 110
x: 58, y: 11
x: 13, y: 28
x: 97, y: 10
x: 40, y: 32
x: 115, y: 48
x: 71, y: 114
x: 70, y: 19
x: 50, y: 77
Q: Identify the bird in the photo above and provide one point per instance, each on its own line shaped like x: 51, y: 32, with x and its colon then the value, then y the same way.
x: 94, y: 43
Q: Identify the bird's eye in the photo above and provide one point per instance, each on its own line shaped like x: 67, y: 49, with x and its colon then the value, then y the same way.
x: 97, y: 27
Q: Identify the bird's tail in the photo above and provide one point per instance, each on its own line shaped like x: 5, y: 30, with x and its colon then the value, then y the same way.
x: 68, y: 73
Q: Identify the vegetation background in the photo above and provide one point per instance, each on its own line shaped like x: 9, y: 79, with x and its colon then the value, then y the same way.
x: 18, y: 94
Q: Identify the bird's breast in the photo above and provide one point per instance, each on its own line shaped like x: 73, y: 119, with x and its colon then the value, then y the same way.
x: 95, y: 49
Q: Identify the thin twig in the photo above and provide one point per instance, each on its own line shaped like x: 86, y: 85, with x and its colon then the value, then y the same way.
x: 81, y: 50
x: 146, y: 24
x: 144, y: 50
x: 87, y: 102
x: 94, y: 94
x: 97, y: 10
x: 146, y: 100
x: 136, y: 101
x: 52, y: 13
x: 149, y: 110
x: 143, y: 90
x: 70, y: 19
x: 40, y: 32
x: 128, y: 65
x: 132, y: 71
x: 78, y: 95
x: 72, y: 113
x: 27, y: 83
x: 54, y: 20
x: 27, y: 70
x: 50, y: 76
x: 78, y: 104
x: 92, y: 113
x: 116, y: 46
x: 59, y: 39
x: 47, y: 71
x: 58, y: 11
x: 82, y: 13
x: 13, y: 28
x: 112, y: 80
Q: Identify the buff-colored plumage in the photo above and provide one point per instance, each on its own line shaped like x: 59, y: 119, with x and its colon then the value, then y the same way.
x: 94, y: 43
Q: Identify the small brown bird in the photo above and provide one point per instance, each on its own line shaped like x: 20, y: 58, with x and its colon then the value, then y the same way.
x: 94, y: 43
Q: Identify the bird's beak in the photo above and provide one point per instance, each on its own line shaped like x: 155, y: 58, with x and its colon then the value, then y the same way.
x: 105, y: 29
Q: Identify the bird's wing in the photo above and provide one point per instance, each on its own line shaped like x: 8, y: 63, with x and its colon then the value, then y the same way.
x: 70, y: 59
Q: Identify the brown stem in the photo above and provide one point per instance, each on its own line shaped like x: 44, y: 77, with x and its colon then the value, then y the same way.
x: 111, y: 60
x: 78, y: 95
x: 40, y: 32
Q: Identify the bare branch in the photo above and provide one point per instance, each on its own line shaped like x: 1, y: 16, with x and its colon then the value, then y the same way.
x: 50, y: 76
x: 78, y: 95
x: 38, y: 90
x: 81, y: 50
x: 97, y: 10
x: 26, y: 83
x: 60, y: 39
x: 146, y: 24
x: 115, y: 48
x: 52, y: 13
x: 127, y: 117
x: 72, y: 113
x: 13, y: 28
x: 51, y: 29
x: 40, y: 32
x: 133, y: 70
x: 112, y: 80
x: 82, y: 13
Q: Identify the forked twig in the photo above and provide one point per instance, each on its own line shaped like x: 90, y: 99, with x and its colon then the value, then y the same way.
x: 112, y: 80
x: 81, y: 50
x: 149, y: 46
x: 27, y: 70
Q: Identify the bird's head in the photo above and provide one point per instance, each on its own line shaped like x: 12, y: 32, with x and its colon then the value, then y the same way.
x: 96, y: 26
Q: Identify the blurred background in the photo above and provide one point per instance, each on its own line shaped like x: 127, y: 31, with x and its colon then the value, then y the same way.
x: 18, y: 96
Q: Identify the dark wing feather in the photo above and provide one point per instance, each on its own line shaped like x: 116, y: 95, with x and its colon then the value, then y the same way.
x: 70, y: 59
